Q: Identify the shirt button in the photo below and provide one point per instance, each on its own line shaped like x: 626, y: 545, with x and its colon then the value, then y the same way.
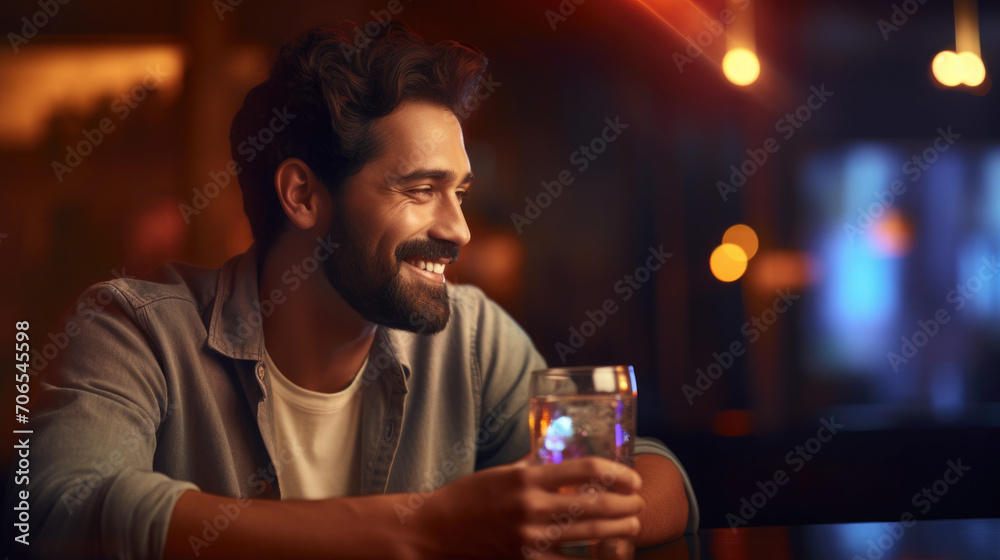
x: 260, y: 371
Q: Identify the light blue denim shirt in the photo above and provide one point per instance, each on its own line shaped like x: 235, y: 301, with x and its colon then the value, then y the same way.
x: 163, y: 389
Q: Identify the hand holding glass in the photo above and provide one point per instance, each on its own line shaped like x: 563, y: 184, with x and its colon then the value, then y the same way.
x: 583, y: 411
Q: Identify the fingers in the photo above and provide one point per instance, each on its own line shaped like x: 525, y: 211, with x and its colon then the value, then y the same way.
x: 545, y: 539
x: 592, y: 471
x: 605, y: 505
x: 627, y: 527
x: 567, y: 502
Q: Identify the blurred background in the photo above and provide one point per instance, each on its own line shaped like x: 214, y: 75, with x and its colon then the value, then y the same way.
x: 616, y: 144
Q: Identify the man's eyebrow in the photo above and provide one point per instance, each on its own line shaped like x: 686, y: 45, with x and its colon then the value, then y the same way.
x: 443, y: 175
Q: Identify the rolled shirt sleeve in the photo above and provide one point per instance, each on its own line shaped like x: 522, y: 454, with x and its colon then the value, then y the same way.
x: 656, y: 447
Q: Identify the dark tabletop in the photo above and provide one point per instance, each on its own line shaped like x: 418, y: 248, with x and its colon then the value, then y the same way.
x: 953, y: 539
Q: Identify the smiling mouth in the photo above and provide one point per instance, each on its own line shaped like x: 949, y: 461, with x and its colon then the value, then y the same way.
x: 430, y: 268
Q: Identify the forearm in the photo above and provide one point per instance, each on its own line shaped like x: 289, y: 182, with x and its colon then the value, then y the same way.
x: 206, y: 526
x: 666, y: 511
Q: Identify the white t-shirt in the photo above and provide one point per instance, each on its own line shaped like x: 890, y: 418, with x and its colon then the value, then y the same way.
x: 322, y: 435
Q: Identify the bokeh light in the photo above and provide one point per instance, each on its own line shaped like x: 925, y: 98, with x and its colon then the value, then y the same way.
x: 951, y: 68
x: 777, y: 269
x: 40, y: 83
x: 728, y: 262
x: 157, y: 232
x: 892, y: 236
x: 948, y: 68
x: 744, y: 236
x: 741, y: 66
x: 975, y: 71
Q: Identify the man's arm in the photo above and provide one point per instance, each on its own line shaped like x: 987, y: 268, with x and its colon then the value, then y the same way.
x: 357, y: 528
x: 666, y: 513
x: 496, y: 512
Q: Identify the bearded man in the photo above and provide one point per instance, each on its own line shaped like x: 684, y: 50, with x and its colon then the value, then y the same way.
x: 326, y: 393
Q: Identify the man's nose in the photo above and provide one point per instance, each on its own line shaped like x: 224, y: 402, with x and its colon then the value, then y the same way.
x: 450, y: 225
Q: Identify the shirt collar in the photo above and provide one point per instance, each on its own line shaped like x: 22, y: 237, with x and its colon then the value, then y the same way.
x: 236, y: 326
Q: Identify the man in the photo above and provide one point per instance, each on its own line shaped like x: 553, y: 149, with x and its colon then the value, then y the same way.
x: 326, y: 393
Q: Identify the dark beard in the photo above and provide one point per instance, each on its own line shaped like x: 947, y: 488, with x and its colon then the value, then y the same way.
x: 375, y: 287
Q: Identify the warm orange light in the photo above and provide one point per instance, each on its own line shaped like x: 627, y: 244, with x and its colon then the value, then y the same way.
x: 744, y: 236
x: 741, y: 66
x: 974, y: 70
x: 774, y: 270
x: 892, y: 235
x: 967, y: 42
x: 46, y: 79
x: 951, y: 68
x: 157, y: 232
x: 948, y: 68
x: 728, y: 262
x: 623, y: 384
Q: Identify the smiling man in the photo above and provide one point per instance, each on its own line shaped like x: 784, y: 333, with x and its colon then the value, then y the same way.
x: 327, y: 393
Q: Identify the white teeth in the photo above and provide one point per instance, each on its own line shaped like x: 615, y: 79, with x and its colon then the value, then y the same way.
x: 429, y: 266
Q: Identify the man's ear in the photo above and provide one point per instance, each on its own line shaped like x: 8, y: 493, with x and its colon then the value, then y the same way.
x: 299, y: 192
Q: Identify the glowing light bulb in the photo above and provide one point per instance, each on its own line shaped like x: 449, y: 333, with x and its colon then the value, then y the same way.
x: 728, y: 262
x: 741, y: 66
x: 974, y: 70
x: 948, y: 68
x: 744, y: 236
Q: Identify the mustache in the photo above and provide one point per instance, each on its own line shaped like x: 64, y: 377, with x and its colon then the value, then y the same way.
x: 427, y: 248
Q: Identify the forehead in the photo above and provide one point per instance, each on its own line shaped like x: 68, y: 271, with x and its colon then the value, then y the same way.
x: 423, y: 135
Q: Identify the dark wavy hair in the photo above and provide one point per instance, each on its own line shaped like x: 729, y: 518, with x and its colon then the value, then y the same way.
x: 337, y: 89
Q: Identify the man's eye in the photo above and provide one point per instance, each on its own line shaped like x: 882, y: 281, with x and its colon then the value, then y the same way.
x: 422, y: 192
x: 462, y: 195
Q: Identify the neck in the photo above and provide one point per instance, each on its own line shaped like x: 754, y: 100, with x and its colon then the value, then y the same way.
x: 313, y: 336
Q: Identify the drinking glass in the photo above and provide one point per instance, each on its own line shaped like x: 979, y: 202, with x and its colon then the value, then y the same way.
x: 582, y: 411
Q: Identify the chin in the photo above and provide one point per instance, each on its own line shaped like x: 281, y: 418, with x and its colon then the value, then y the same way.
x: 428, y: 319
x: 419, y: 315
x: 421, y: 311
